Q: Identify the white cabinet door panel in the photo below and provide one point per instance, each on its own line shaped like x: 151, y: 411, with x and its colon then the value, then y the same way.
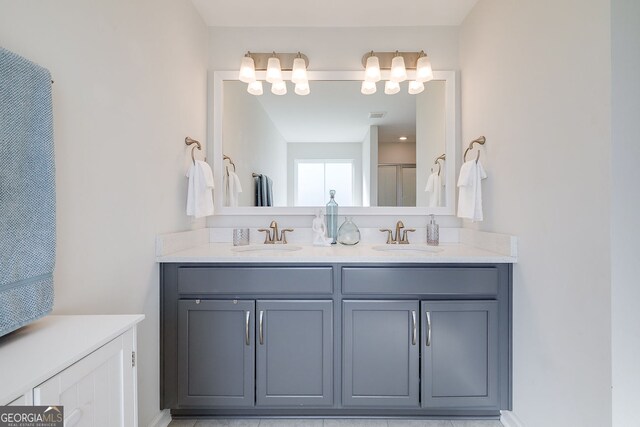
x: 98, y: 390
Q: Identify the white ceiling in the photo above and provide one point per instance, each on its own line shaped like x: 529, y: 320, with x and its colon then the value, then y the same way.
x: 336, y: 111
x: 333, y: 13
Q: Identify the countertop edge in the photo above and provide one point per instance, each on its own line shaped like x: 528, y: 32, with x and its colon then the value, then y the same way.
x: 220, y: 253
x: 168, y: 259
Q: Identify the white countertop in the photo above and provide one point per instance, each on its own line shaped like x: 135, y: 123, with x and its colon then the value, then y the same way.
x: 360, y: 253
x: 38, y: 351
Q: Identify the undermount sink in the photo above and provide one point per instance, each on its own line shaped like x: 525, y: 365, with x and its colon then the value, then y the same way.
x: 408, y: 249
x: 266, y: 248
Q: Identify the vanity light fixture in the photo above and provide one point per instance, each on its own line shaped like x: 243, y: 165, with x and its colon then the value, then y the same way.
x: 415, y: 87
x: 398, y: 70
x: 247, y: 69
x: 391, y: 88
x: 403, y: 138
x: 424, y: 73
x: 368, y: 88
x: 302, y: 89
x: 279, y: 88
x: 397, y: 63
x: 372, y: 69
x: 274, y: 72
x: 299, y: 70
x: 274, y: 64
x: 255, y: 88
x: 299, y: 76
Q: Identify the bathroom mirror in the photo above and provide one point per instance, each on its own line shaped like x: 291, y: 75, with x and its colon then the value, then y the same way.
x: 377, y: 151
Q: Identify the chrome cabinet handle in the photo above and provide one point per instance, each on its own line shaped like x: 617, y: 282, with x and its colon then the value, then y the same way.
x: 414, y: 328
x: 246, y: 329
x: 261, y: 335
x: 428, y: 329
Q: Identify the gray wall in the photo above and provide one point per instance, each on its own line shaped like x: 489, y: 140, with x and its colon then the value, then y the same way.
x: 625, y: 202
x: 536, y: 81
x: 130, y: 84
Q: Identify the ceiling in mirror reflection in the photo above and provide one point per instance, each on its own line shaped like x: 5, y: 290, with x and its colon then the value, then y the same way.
x: 335, y: 111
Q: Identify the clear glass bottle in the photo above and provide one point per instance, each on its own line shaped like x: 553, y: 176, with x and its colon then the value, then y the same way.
x: 332, y: 217
x: 433, y: 232
x: 348, y: 234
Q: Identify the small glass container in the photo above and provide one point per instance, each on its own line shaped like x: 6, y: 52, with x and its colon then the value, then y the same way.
x: 433, y: 232
x: 240, y: 236
x: 348, y: 234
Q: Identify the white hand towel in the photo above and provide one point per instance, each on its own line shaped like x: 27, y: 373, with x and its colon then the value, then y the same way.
x: 232, y: 188
x: 470, y: 190
x: 434, y: 188
x: 199, y: 194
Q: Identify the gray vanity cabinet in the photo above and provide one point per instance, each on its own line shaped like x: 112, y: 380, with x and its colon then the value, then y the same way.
x: 294, y: 353
x: 381, y: 353
x: 459, y: 354
x: 216, y: 353
x: 353, y: 340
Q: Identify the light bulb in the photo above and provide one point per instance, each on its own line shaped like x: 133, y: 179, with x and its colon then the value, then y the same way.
x: 274, y: 72
x: 424, y: 73
x: 372, y: 70
x: 299, y: 71
x: 279, y: 88
x: 391, y: 88
x: 302, y: 88
x: 368, y: 88
x: 255, y: 88
x: 398, y: 71
x: 247, y: 70
x: 415, y: 87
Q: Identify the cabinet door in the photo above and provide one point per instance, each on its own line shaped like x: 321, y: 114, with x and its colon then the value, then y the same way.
x: 460, y: 354
x: 294, y: 353
x: 98, y: 390
x: 216, y: 353
x: 380, y: 359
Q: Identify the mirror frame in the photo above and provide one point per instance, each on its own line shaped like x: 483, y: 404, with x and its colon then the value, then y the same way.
x: 214, y: 148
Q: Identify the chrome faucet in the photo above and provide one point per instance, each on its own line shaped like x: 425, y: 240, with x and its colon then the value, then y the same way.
x: 272, y: 235
x: 399, y: 239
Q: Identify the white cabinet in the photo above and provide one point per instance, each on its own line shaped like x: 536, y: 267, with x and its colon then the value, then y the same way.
x: 98, y: 390
x: 88, y: 366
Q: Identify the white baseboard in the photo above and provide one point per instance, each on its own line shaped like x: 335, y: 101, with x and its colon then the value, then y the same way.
x: 508, y: 419
x: 162, y: 419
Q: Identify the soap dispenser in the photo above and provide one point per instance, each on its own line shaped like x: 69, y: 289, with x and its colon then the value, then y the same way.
x: 433, y: 232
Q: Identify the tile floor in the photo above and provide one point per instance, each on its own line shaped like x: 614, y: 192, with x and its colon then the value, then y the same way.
x: 331, y: 423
